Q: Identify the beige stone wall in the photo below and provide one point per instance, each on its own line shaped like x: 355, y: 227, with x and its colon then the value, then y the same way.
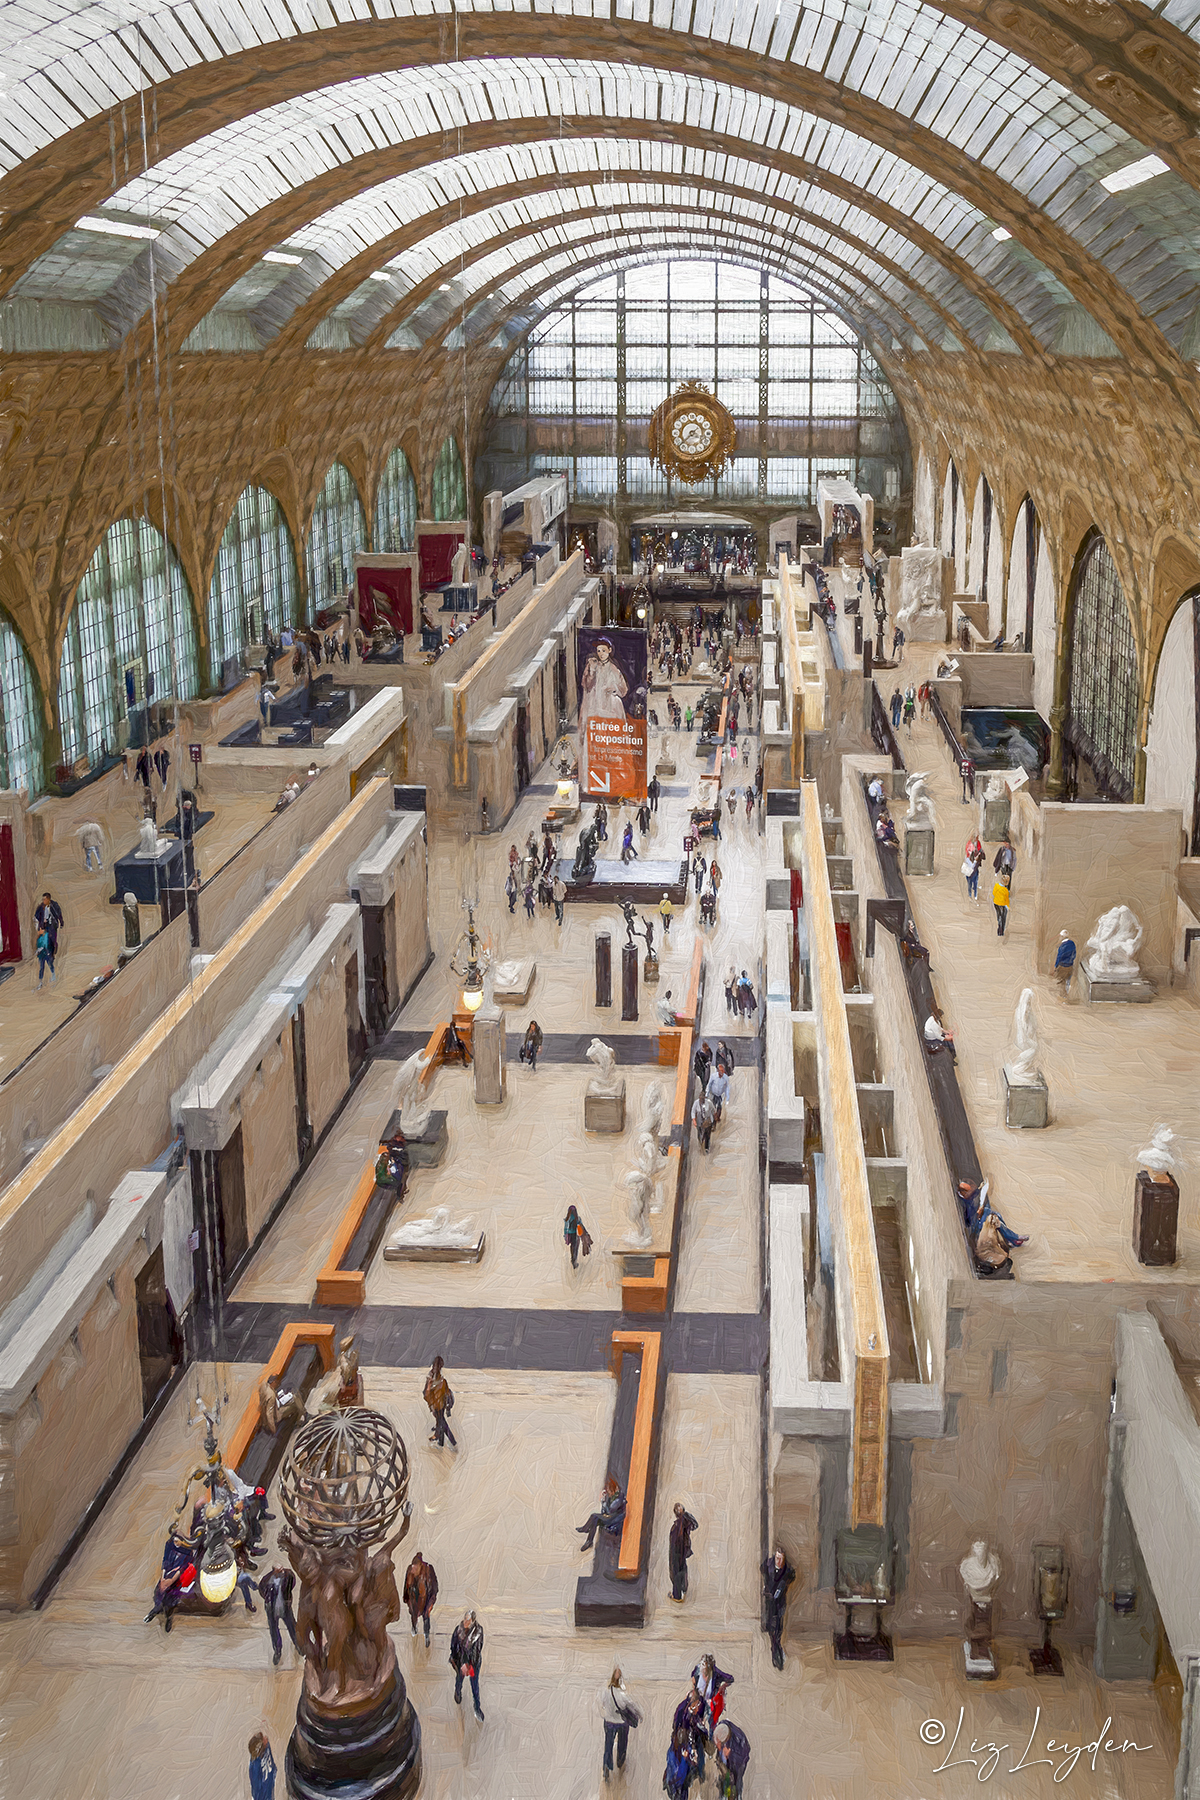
x: 87, y: 1406
x: 325, y: 1046
x: 410, y: 911
x: 268, y: 1103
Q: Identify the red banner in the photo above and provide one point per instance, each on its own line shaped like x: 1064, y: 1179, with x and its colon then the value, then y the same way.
x: 616, y: 759
x: 385, y: 595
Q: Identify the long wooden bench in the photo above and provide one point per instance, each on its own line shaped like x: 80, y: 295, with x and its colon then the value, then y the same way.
x: 342, y: 1281
x: 302, y: 1354
x: 614, y: 1593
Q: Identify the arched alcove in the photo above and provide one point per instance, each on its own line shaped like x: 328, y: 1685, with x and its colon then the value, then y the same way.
x: 254, y: 583
x: 337, y: 529
x: 1102, y: 715
x: 1171, y: 741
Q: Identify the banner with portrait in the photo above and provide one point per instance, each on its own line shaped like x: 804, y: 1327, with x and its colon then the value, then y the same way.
x: 612, y: 665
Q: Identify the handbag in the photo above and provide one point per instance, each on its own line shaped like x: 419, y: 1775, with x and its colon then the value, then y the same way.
x: 585, y: 1240
x: 968, y: 867
x: 629, y: 1714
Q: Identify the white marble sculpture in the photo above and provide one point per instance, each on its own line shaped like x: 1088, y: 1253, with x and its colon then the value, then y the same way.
x: 640, y: 1189
x: 458, y: 567
x: 406, y: 1092
x: 437, y: 1232
x: 920, y: 587
x: 980, y: 1573
x: 654, y: 1111
x: 993, y: 787
x: 1022, y: 1069
x: 1114, y: 943
x: 149, y: 842
x: 604, y: 1058
x: 650, y: 1160
x: 1159, y: 1155
x: 507, y: 974
x: 920, y: 815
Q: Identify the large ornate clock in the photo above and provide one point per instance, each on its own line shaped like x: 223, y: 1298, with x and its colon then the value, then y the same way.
x: 692, y: 436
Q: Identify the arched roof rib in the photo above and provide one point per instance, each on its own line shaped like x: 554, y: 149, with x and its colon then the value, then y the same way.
x: 493, y: 286
x: 219, y: 184
x: 1018, y: 145
x: 372, y: 307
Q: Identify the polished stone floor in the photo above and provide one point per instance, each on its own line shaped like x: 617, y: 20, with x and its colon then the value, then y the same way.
x: 98, y: 1706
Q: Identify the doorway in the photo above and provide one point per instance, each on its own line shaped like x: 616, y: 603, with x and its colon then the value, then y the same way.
x: 375, y: 951
x: 522, y: 746
x: 231, y: 1192
x: 10, y: 911
x: 160, y: 1344
x: 356, y: 1037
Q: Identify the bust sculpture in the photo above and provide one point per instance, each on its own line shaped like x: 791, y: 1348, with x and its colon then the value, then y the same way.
x: 920, y: 815
x: 437, y: 1230
x: 1114, y: 943
x: 993, y: 788
x: 1022, y: 1067
x: 1158, y: 1158
x: 406, y: 1092
x: 603, y: 1058
x: 980, y: 1572
x: 342, y: 1386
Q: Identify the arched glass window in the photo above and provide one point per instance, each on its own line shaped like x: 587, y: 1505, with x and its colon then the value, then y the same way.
x: 255, y: 575
x: 449, y: 483
x: 338, y: 529
x: 130, y: 639
x: 20, y: 717
x: 1102, y: 722
x: 395, y: 505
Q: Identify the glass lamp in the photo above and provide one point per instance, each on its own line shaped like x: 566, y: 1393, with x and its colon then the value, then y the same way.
x: 470, y: 962
x: 218, y: 1572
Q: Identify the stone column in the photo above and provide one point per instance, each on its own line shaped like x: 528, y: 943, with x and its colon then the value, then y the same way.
x: 603, y: 969
x: 629, y: 982
x: 487, y: 1050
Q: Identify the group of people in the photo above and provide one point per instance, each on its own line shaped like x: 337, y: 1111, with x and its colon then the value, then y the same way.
x: 533, y: 877
x: 740, y: 998
x: 711, y: 1071
x: 47, y: 923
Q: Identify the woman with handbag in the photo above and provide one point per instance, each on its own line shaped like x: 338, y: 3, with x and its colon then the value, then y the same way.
x: 620, y: 1716
x: 972, y: 863
x: 576, y: 1235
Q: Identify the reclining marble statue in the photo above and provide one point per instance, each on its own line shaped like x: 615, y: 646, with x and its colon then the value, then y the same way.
x: 436, y: 1239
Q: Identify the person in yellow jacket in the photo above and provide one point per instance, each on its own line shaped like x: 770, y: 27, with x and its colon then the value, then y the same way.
x: 1000, y: 902
x: 667, y: 913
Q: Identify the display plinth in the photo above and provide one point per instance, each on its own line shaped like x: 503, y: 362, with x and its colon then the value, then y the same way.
x: 918, y: 850
x: 664, y: 766
x: 997, y: 815
x: 604, y: 1112
x: 1129, y: 990
x: 650, y: 969
x: 1026, y: 1102
x: 1155, y: 1220
x: 603, y: 969
x: 514, y: 984
x: 629, y: 983
x: 491, y: 1079
x: 371, y: 1752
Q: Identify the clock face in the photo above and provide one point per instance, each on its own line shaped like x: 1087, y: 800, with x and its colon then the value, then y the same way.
x: 692, y: 434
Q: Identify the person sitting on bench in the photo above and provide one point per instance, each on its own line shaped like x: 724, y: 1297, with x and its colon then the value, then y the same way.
x: 911, y: 947
x: 885, y: 831
x: 453, y: 1046
x: 391, y: 1166
x: 610, y: 1516
x: 275, y: 1406
x: 178, y: 1579
x: 938, y: 1038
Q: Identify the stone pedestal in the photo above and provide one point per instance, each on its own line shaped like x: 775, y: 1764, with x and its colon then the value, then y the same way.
x: 664, y: 766
x: 996, y: 817
x: 1155, y: 1220
x: 514, y: 985
x: 1026, y: 1101
x: 1128, y: 989
x: 433, y: 1252
x: 603, y: 969
x: 603, y: 1111
x: 918, y: 850
x: 650, y: 970
x: 629, y: 982
x: 491, y: 1077
x: 979, y: 1653
x: 352, y: 1753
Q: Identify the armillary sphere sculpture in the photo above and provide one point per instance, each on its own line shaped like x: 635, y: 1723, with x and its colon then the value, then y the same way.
x: 692, y: 436
x: 342, y: 1488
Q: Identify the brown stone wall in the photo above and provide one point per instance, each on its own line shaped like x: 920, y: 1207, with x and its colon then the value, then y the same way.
x: 269, y: 1132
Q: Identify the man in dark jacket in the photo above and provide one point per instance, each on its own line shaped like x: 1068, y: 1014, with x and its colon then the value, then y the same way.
x: 778, y: 1576
x: 439, y: 1399
x: 276, y: 1588
x: 732, y: 1755
x: 466, y: 1657
x: 679, y: 1550
x: 702, y: 1063
x: 420, y: 1592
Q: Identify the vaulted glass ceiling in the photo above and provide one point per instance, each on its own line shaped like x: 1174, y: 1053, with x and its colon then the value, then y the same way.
x: 964, y: 194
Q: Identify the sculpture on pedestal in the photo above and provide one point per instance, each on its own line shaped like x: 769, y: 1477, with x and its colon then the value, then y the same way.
x: 342, y: 1387
x: 603, y: 1058
x: 1158, y: 1157
x: 133, y: 922
x: 640, y: 1188
x: 435, y: 1233
x: 980, y: 1573
x: 406, y: 1092
x: 343, y: 1486
x: 650, y: 1159
x: 584, y: 866
x: 920, y: 814
x: 149, y: 842
x: 654, y: 1111
x: 1117, y: 937
x: 1022, y: 1067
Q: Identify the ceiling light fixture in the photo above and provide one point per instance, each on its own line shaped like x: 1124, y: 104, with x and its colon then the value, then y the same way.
x: 1001, y: 235
x: 380, y: 275
x: 116, y: 227
x: 281, y: 256
x: 1134, y: 174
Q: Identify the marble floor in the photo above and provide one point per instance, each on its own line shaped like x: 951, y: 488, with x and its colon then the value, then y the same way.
x: 99, y: 1706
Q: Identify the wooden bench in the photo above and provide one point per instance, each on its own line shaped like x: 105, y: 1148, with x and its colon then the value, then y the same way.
x: 615, y: 1591
x: 303, y: 1353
